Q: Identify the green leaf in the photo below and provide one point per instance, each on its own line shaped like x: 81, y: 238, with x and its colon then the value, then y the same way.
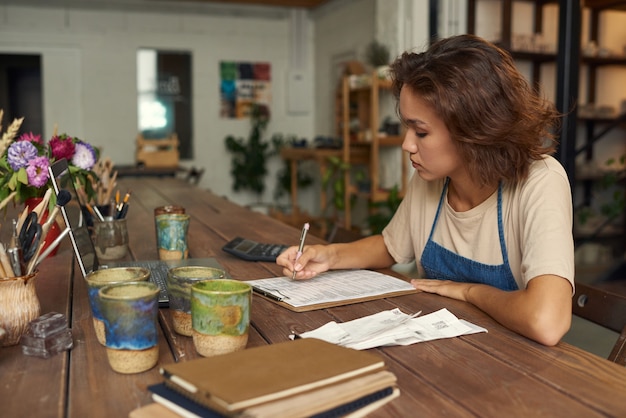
x: 22, y: 176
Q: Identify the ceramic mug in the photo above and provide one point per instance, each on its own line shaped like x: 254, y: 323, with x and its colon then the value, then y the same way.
x: 130, y: 313
x: 220, y: 316
x: 171, y: 231
x: 179, y: 281
x: 100, y: 278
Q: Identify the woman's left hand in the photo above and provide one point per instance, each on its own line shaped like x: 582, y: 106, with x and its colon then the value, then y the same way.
x: 447, y: 288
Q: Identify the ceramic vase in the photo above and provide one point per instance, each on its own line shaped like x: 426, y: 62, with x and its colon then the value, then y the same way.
x: 19, y: 305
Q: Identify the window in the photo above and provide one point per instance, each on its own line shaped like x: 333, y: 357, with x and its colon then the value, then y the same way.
x: 164, y: 96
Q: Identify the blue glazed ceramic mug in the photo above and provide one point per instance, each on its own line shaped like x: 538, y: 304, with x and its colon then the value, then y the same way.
x: 171, y: 231
x: 98, y: 279
x: 130, y: 313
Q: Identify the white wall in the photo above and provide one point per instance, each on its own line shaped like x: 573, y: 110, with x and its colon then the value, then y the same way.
x: 89, y: 75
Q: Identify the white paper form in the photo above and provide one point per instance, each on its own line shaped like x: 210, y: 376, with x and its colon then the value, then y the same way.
x: 331, y: 286
x: 393, y: 328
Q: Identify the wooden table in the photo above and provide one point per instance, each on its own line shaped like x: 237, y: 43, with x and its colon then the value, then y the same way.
x: 498, y: 373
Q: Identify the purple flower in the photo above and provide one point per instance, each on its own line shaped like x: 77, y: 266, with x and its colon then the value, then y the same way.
x: 37, y: 171
x: 85, y: 156
x: 20, y: 153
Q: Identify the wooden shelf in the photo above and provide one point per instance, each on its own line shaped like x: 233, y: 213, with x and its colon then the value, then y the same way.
x: 595, y: 127
x: 362, y: 104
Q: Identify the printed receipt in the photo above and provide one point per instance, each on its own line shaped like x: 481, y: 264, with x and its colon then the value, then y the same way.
x: 393, y: 327
x: 331, y: 286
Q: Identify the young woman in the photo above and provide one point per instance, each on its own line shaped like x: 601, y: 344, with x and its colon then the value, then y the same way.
x: 488, y: 217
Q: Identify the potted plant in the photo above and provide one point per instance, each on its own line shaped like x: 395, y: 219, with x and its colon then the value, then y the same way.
x: 611, y: 200
x: 378, y: 56
x: 334, y: 179
x: 249, y: 156
x: 382, y: 212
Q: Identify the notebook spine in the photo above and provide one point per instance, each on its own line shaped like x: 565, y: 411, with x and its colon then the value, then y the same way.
x: 196, y: 397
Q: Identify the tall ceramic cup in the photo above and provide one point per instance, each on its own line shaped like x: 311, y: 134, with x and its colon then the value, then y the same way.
x: 179, y: 282
x: 166, y: 209
x: 171, y: 231
x: 130, y: 313
x: 100, y: 278
x: 220, y: 316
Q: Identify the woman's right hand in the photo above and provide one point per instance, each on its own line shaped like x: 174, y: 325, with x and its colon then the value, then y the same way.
x: 314, y: 260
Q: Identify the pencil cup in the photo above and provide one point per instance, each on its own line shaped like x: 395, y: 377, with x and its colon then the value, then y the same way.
x: 90, y: 218
x: 111, y: 239
x: 220, y: 316
x: 105, y: 277
x: 171, y: 231
x: 179, y: 281
x: 130, y: 316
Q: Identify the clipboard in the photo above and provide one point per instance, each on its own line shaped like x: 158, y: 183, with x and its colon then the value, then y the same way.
x: 371, y: 286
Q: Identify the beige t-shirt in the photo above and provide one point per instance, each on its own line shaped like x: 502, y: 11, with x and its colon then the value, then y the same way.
x: 536, y: 217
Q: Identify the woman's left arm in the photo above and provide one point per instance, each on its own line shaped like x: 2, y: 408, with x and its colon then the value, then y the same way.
x: 541, y: 312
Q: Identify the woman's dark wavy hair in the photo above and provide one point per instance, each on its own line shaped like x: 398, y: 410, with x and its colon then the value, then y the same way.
x: 498, y: 121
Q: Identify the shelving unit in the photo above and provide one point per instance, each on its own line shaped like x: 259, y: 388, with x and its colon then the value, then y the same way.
x: 536, y: 58
x: 596, y: 127
x: 359, y: 126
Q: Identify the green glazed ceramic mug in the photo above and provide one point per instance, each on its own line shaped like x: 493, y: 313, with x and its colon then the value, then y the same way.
x: 130, y: 312
x: 220, y: 316
x: 179, y: 281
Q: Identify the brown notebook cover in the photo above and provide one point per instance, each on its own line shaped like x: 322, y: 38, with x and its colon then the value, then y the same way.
x: 239, y: 380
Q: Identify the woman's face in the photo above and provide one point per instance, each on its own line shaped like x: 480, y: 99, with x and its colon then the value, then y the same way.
x: 429, y: 144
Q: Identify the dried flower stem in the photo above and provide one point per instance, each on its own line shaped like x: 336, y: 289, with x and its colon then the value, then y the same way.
x: 7, y: 200
x: 10, y: 134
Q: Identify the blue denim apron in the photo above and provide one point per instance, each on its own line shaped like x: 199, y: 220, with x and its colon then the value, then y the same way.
x: 440, y: 263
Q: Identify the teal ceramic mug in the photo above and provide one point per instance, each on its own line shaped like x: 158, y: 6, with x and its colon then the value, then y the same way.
x: 220, y: 316
x: 171, y: 229
x: 179, y: 281
x: 130, y: 312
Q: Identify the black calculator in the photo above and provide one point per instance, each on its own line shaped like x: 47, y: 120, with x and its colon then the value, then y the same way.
x: 252, y: 250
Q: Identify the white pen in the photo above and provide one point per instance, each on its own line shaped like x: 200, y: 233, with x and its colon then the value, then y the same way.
x: 305, y: 228
x: 52, y: 245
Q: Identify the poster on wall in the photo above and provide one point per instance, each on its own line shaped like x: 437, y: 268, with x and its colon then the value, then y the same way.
x: 241, y: 85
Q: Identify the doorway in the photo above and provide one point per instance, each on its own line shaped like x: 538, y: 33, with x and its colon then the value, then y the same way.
x: 164, y: 96
x: 21, y: 91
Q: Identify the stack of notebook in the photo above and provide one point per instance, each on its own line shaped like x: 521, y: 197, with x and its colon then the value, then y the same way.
x: 301, y: 378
